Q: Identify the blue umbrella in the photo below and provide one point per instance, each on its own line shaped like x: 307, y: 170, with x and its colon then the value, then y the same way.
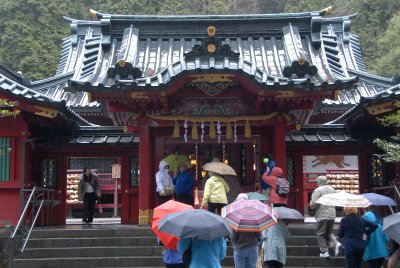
x: 379, y: 200
x: 199, y: 223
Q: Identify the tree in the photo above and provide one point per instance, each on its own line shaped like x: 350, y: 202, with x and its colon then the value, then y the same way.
x: 391, y: 146
x: 31, y: 33
x: 388, y: 64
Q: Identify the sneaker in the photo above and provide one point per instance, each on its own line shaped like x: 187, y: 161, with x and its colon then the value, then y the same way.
x: 337, y: 248
x: 324, y: 255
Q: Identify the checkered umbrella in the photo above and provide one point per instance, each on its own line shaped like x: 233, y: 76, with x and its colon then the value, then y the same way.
x: 248, y: 216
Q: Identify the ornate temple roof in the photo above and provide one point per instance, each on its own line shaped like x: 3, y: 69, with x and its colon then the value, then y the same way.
x: 297, y: 50
x: 11, y: 83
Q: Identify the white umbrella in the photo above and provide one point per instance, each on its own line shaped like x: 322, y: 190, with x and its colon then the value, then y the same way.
x: 220, y: 168
x: 343, y: 199
x: 391, y: 226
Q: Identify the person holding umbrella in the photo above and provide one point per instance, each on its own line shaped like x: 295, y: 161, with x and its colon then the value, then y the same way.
x: 215, y: 193
x: 245, y: 245
x: 376, y: 244
x: 325, y: 218
x: 274, y: 244
x: 353, y: 228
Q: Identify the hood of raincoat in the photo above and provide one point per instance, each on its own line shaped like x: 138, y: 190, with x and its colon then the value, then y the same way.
x: 321, y: 180
x: 162, y: 165
x: 277, y: 172
x: 370, y: 216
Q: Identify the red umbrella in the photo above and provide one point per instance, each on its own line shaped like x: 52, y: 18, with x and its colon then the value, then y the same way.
x: 171, y: 206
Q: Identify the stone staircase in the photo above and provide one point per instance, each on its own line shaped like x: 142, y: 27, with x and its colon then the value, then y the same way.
x: 135, y: 246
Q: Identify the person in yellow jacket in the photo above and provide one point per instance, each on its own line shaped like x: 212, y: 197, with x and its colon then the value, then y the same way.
x: 215, y: 192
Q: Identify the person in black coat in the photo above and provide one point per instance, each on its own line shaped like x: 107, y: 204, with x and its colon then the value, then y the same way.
x: 354, y: 229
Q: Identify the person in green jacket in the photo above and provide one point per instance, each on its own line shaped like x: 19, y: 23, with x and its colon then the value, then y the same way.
x: 215, y: 192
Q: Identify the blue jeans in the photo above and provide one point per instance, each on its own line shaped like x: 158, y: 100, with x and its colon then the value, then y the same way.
x: 246, y: 257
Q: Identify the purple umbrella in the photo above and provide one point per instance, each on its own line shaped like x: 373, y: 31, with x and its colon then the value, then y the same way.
x: 379, y: 200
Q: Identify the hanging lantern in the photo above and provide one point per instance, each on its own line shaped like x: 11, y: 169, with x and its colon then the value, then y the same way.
x: 195, y: 134
x: 247, y: 129
x: 229, y: 132
x: 175, y: 134
x: 212, y: 133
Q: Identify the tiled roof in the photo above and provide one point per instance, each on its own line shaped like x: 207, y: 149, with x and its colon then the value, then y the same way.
x: 103, y: 135
x: 391, y: 93
x: 13, y: 87
x: 320, y: 134
x: 155, y: 50
x: 369, y: 85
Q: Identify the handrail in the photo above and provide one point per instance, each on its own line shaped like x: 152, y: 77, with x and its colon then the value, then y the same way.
x: 33, y: 224
x: 23, y: 212
x: 37, y: 194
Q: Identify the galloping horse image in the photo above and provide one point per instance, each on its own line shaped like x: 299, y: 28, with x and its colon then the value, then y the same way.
x: 338, y: 160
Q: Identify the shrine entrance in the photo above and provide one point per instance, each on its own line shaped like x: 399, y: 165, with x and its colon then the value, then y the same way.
x: 241, y: 155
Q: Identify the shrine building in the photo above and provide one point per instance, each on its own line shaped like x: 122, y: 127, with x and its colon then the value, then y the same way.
x: 130, y: 90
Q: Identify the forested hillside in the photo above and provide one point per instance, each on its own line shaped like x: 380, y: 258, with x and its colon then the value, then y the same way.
x: 31, y: 31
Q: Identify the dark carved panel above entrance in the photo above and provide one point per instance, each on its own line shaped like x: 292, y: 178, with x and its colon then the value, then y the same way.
x: 204, y: 107
x: 212, y: 89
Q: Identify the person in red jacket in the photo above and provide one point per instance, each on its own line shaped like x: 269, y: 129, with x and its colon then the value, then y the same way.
x: 275, y: 199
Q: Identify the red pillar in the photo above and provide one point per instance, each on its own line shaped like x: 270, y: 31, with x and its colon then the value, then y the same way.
x: 146, y: 176
x: 280, y: 143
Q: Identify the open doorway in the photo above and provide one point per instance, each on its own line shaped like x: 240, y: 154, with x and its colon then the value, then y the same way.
x: 241, y: 155
x: 107, y: 208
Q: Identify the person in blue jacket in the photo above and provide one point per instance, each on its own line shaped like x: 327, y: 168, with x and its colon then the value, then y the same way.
x: 376, y: 244
x: 172, y: 258
x: 353, y: 229
x: 269, y: 165
x: 205, y: 253
x: 184, y: 183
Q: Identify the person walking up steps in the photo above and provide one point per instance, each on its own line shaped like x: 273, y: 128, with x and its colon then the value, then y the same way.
x: 325, y: 217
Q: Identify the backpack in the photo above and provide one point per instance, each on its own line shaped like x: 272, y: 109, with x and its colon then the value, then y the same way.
x: 282, y: 187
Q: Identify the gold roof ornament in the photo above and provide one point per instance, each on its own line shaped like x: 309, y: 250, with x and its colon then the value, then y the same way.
x: 328, y: 11
x: 93, y: 14
x: 211, y: 30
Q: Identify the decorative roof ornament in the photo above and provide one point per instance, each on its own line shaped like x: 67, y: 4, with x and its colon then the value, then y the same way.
x: 300, y: 68
x: 212, y: 47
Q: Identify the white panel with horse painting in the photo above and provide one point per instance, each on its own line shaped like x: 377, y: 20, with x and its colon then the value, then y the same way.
x: 321, y: 164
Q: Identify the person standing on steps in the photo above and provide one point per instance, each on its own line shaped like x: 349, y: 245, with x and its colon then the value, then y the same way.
x: 88, y: 192
x: 184, y: 184
x: 165, y: 187
x: 325, y: 218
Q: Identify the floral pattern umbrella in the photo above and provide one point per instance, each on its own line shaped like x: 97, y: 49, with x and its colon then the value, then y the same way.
x: 248, y: 216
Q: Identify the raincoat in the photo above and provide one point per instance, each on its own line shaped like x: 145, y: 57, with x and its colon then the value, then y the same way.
x: 205, y: 253
x: 322, y: 212
x: 376, y: 243
x: 215, y: 191
x: 274, y: 244
x: 271, y: 180
x: 163, y: 178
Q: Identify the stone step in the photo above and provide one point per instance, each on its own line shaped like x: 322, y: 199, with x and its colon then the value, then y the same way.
x: 91, y: 242
x: 315, y: 261
x: 116, y: 261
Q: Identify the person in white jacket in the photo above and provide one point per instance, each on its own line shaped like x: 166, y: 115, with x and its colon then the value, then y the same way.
x: 165, y: 187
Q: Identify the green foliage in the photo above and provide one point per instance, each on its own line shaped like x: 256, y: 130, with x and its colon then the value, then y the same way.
x: 391, y: 146
x: 125, y: 7
x: 31, y: 33
x: 388, y: 64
